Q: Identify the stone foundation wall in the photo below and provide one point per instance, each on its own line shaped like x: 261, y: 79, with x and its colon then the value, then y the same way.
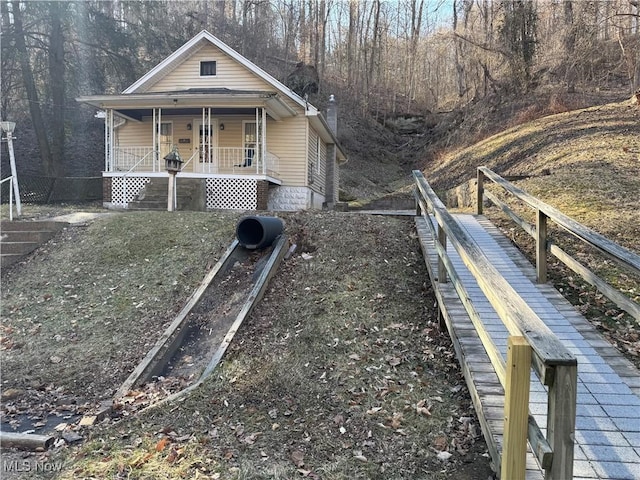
x: 292, y: 198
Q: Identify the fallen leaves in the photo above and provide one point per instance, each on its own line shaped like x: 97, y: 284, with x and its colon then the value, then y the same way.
x: 395, y: 420
x: 421, y: 409
x: 297, y: 457
x: 161, y: 444
x: 394, y: 361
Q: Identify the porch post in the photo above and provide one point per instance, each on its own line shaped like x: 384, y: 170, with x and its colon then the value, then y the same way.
x: 108, y: 140
x: 263, y: 134
x: 210, y: 143
x: 153, y: 141
x: 203, y: 152
x: 157, y: 146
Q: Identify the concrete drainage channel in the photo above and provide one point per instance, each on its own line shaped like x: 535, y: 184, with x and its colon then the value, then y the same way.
x: 195, y: 342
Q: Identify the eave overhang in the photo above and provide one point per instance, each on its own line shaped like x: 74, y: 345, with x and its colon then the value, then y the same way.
x: 133, y: 105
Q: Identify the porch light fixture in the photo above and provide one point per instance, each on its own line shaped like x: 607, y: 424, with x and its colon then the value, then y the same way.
x: 188, y: 126
x: 222, y: 126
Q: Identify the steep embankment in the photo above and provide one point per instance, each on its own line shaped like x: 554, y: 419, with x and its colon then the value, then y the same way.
x: 586, y: 163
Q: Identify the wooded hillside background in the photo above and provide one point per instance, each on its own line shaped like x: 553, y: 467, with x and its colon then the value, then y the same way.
x: 379, y: 57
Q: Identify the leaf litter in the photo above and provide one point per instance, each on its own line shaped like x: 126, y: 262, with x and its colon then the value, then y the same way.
x: 342, y: 361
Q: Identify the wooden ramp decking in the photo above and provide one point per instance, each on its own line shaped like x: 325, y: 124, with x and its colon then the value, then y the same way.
x: 607, y: 434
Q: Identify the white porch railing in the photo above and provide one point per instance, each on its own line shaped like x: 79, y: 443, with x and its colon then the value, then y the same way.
x: 222, y: 160
x: 244, y: 161
x: 135, y: 158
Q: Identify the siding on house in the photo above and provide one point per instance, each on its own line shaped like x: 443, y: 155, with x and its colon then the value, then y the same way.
x: 229, y: 74
x: 321, y: 170
x: 287, y: 140
x: 316, y: 159
x: 134, y: 134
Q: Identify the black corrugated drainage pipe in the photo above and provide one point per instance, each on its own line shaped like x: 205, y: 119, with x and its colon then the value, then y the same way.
x: 255, y: 232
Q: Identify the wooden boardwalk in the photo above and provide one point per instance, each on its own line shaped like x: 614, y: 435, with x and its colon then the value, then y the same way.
x: 607, y: 436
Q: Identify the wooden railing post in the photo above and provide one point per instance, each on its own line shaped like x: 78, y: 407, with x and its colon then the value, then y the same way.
x: 561, y: 421
x: 541, y: 246
x: 516, y: 409
x: 480, y: 192
x: 417, y: 200
x: 442, y: 270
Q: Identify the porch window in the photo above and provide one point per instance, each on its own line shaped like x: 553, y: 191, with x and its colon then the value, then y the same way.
x: 208, y: 68
x: 313, y: 154
x: 250, y: 139
x: 318, y: 155
x: 206, y: 142
x: 166, y: 138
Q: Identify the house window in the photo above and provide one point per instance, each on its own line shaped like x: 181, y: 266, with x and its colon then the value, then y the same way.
x: 318, y: 155
x: 205, y: 142
x: 313, y: 154
x: 165, y: 138
x: 250, y: 143
x: 208, y: 69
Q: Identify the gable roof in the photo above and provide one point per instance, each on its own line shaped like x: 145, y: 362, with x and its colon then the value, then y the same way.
x: 190, y: 48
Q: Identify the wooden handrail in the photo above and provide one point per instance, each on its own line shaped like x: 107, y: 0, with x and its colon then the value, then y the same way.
x: 544, y: 212
x: 620, y: 254
x: 517, y: 316
x: 553, y: 363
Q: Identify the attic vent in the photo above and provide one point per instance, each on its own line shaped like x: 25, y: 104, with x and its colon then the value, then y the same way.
x: 208, y: 69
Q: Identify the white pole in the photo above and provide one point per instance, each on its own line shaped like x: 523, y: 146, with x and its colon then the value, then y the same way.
x: 159, y: 137
x: 202, y: 153
x: 111, y: 141
x: 210, y: 138
x: 14, y: 181
x: 11, y: 201
x: 106, y: 141
x: 170, y: 198
x: 264, y: 141
x: 153, y: 141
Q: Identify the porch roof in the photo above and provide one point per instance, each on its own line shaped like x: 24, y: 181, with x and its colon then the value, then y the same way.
x: 136, y: 105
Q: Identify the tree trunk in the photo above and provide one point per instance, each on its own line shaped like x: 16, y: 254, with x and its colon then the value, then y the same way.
x: 351, y: 41
x: 569, y: 46
x: 32, y: 93
x: 57, y: 82
x: 458, y: 47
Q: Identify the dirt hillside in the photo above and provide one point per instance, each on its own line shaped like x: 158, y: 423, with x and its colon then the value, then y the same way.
x: 342, y: 372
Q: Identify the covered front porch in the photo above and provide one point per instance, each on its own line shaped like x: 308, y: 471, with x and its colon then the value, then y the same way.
x: 225, y: 145
x: 209, y: 140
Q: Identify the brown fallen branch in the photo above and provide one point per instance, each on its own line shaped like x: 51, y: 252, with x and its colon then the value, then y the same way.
x: 25, y: 441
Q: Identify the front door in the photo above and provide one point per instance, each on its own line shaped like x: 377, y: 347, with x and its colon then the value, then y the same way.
x: 205, y: 145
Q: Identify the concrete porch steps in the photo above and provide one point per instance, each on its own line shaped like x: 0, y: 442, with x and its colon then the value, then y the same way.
x: 190, y: 195
x: 17, y: 239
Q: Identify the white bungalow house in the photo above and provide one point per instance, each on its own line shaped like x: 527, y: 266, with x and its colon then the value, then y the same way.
x: 248, y: 142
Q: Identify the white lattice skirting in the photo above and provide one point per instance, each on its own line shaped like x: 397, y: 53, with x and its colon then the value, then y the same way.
x: 125, y: 189
x: 232, y: 194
